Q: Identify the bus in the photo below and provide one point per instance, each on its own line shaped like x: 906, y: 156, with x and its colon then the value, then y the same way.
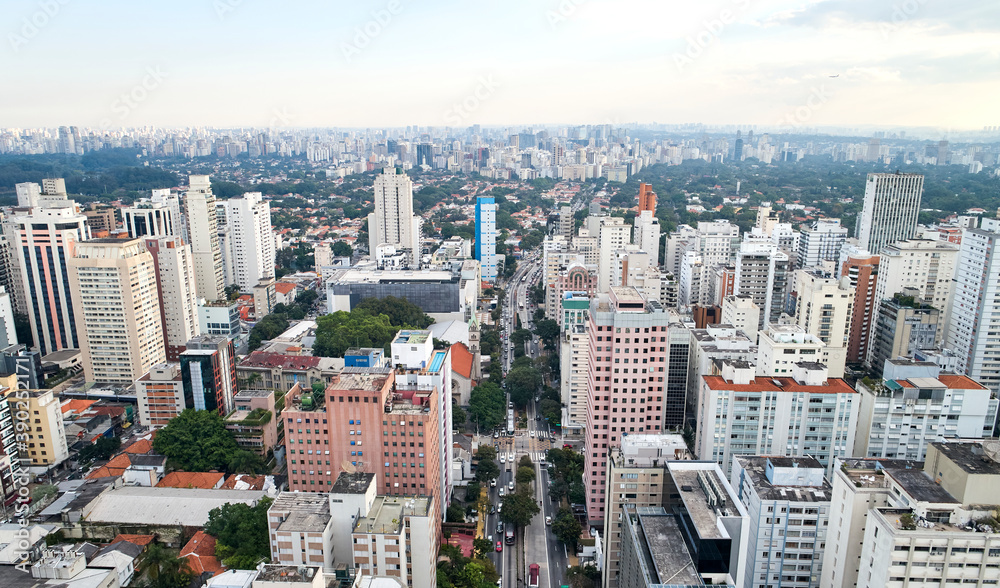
x: 510, y: 421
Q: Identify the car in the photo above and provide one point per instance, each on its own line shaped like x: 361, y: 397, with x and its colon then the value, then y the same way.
x: 500, y: 528
x: 500, y: 581
x: 567, y: 446
x: 493, y: 483
x: 538, y: 417
x: 500, y: 492
x: 499, y: 545
x: 531, y: 433
x: 503, y: 458
x: 493, y: 509
x: 510, y: 486
x: 499, y: 504
x: 548, y: 520
x: 496, y: 435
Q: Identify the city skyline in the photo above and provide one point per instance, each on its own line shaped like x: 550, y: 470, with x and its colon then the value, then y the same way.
x: 781, y: 66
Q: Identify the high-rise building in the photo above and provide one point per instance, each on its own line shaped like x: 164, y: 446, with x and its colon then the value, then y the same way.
x: 614, y: 235
x: 486, y: 237
x: 896, y: 412
x: 787, y: 500
x: 647, y: 198
x: 742, y: 313
x: 199, y: 206
x: 393, y: 221
x: 733, y: 423
x: 904, y: 326
x: 975, y: 307
x: 891, y: 207
x: 716, y: 342
x: 821, y: 242
x: 762, y: 274
x: 783, y: 346
x: 208, y: 371
x: 923, y: 268
x: 862, y: 271
x: 647, y: 236
x: 425, y: 154
x: 825, y: 307
x: 624, y: 328
x: 117, y: 309
x: 46, y: 442
x: 250, y: 245
x: 175, y: 287
x: 160, y: 395
x: 566, y: 223
x: 44, y: 241
x: 159, y: 216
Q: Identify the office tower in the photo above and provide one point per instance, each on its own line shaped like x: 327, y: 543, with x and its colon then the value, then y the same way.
x: 821, y: 242
x: 923, y: 268
x: 733, y: 423
x: 158, y: 216
x: 486, y: 237
x: 904, y: 325
x: 575, y: 278
x: 891, y: 207
x: 175, y: 287
x: 425, y: 154
x: 160, y: 395
x: 975, y: 307
x: 44, y: 241
x: 208, y: 372
x: 787, y: 500
x: 566, y: 223
x: 896, y: 412
x: 614, y: 235
x: 762, y: 274
x: 862, y: 271
x: 647, y: 236
x: 825, y: 307
x: 874, y: 150
x: 574, y: 357
x: 675, y: 393
x: 624, y: 328
x: 393, y: 221
x: 929, y: 527
x: 117, y: 309
x: 647, y: 198
x: 250, y: 245
x: 199, y: 207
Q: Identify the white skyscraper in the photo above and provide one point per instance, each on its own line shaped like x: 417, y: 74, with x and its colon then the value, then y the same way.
x: 821, y: 242
x: 975, y: 307
x: 647, y: 236
x: 891, y: 207
x: 761, y: 273
x: 199, y: 205
x: 614, y: 235
x: 159, y: 216
x: 175, y: 286
x: 393, y: 221
x: 486, y: 237
x: 117, y: 309
x: 250, y: 243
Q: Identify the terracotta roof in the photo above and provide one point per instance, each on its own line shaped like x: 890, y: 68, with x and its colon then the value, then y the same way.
x: 108, y: 410
x: 284, y: 287
x: 765, y: 384
x: 200, y: 554
x: 205, y: 480
x: 958, y: 382
x: 141, y: 540
x: 254, y: 482
x: 113, y: 468
x: 77, y: 405
x: 461, y: 360
x: 140, y: 446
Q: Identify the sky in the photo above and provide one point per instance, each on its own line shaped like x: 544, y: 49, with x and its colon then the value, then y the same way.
x: 390, y: 63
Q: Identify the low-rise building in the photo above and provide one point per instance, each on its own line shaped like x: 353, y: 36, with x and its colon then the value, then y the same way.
x: 301, y: 530
x: 254, y: 420
x: 281, y: 371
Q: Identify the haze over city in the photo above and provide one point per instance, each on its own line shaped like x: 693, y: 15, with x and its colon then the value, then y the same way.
x: 228, y: 63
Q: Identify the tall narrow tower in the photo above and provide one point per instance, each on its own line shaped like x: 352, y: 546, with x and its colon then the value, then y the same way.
x: 486, y: 237
x: 393, y: 221
x: 199, y: 205
x: 251, y: 242
x: 891, y: 208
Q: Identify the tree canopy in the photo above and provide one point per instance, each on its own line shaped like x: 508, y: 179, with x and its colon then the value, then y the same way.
x: 487, y: 404
x: 522, y: 383
x: 519, y: 509
x: 567, y: 528
x: 198, y: 441
x: 401, y: 312
x: 241, y: 533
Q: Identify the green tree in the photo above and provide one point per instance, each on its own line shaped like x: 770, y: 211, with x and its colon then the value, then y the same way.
x: 458, y: 416
x: 401, y: 312
x: 548, y: 331
x: 519, y: 509
x: 487, y: 405
x: 103, y: 448
x: 567, y: 528
x: 266, y: 329
x: 342, y: 249
x: 525, y: 475
x: 162, y: 569
x: 481, y: 547
x: 587, y: 576
x: 486, y: 452
x: 474, y: 574
x: 337, y: 332
x: 455, y: 514
x: 197, y: 441
x: 241, y: 533
x: 487, y: 470
x: 523, y: 383
x: 551, y: 410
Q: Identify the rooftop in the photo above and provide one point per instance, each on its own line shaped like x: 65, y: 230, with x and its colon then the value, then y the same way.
x: 755, y: 468
x: 276, y: 573
x: 278, y: 360
x: 920, y: 486
x: 387, y: 512
x: 163, y: 506
x: 667, y: 551
x: 766, y: 384
x: 352, y: 483
x: 696, y: 500
x: 412, y: 337
x: 303, y: 512
x: 969, y: 457
x: 368, y: 379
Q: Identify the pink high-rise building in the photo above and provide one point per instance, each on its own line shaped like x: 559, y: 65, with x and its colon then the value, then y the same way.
x: 625, y: 382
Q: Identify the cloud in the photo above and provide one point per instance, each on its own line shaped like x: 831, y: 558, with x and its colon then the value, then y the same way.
x: 945, y: 17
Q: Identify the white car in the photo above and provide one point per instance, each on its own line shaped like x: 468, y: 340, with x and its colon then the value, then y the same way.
x: 531, y: 433
x: 500, y: 493
x: 548, y: 520
x: 493, y: 483
x: 503, y: 458
x: 510, y: 485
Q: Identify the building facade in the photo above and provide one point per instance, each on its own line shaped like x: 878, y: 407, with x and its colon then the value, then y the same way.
x: 203, y: 231
x: 890, y: 210
x: 250, y: 242
x: 486, y: 237
x: 175, y: 288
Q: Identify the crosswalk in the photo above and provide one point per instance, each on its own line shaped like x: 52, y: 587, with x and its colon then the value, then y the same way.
x: 536, y: 456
